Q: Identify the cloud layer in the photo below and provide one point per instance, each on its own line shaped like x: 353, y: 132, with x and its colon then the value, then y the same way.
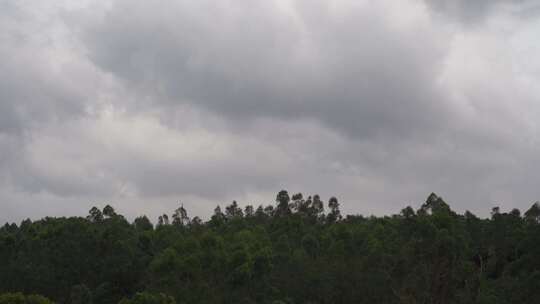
x: 143, y: 104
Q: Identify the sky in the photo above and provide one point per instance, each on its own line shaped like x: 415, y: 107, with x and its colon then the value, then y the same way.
x: 146, y: 105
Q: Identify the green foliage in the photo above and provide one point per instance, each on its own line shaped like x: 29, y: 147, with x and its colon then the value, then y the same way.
x: 149, y: 298
x: 80, y: 294
x: 291, y: 253
x: 19, y: 298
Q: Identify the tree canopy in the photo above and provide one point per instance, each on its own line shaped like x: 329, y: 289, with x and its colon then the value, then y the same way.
x: 287, y: 252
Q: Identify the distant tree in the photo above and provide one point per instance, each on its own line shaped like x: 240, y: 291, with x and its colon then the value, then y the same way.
x: 283, y: 199
x: 196, y: 221
x: 142, y: 223
x: 233, y: 211
x: 269, y: 211
x: 95, y: 215
x: 317, y: 207
x: 25, y: 224
x: 302, y: 206
x: 433, y: 205
x: 432, y: 255
x: 249, y: 211
x: 109, y: 212
x: 218, y: 218
x: 180, y: 217
x: 495, y: 212
x: 533, y: 214
x: 408, y: 212
x: 297, y: 202
x: 163, y: 220
x: 335, y: 214
x: 515, y: 212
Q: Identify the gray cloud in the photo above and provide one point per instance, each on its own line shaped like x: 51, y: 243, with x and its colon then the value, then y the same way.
x: 142, y: 104
x: 353, y: 69
x: 469, y: 12
x: 475, y: 12
x: 33, y: 89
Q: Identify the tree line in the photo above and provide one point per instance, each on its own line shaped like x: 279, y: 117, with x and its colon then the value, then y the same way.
x: 293, y: 251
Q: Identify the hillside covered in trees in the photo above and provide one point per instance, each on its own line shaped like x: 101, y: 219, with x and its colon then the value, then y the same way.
x: 293, y: 252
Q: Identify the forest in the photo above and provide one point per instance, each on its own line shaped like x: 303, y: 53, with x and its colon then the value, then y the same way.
x: 299, y: 250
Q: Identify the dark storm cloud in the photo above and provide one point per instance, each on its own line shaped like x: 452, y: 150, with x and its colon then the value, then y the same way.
x: 353, y: 70
x: 475, y: 12
x: 467, y: 11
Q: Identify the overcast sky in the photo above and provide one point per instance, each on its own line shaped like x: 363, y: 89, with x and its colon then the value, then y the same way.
x: 148, y: 104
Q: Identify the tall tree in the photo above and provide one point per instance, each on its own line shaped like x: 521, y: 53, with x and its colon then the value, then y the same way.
x: 283, y: 199
x: 180, y: 217
x: 335, y: 214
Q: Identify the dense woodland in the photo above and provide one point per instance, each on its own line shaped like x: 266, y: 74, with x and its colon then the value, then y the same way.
x: 290, y: 252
